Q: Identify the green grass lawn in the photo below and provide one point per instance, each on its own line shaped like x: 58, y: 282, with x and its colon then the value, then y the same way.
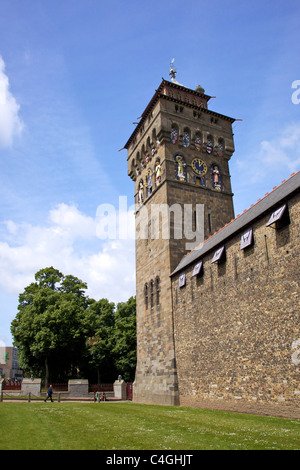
x: 124, y: 426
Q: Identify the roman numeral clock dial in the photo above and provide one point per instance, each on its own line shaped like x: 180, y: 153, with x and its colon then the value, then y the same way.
x: 199, y: 166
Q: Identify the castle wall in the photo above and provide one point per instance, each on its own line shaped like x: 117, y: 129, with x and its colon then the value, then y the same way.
x: 156, y: 378
x: 236, y: 327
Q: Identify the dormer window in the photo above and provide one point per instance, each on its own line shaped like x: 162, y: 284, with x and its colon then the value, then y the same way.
x: 198, y: 269
x: 181, y: 281
x: 219, y: 256
x: 279, y: 218
x: 246, y: 239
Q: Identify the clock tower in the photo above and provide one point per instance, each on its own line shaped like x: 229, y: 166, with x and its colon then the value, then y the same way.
x: 178, y: 158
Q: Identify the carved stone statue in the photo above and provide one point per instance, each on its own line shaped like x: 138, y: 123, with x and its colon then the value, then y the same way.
x: 158, y: 172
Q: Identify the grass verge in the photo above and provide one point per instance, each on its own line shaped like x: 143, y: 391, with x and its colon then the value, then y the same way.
x: 130, y: 426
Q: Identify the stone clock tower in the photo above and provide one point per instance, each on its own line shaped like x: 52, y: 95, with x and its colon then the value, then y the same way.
x: 178, y: 159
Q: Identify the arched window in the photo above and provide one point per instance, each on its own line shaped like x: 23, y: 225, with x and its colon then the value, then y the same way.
x: 186, y: 139
x: 146, y: 156
x: 174, y: 134
x: 146, y: 295
x: 154, y: 135
x: 133, y: 165
x: 210, y: 144
x: 157, y: 289
x: 198, y: 141
x: 148, y: 146
x: 220, y: 148
x: 151, y: 293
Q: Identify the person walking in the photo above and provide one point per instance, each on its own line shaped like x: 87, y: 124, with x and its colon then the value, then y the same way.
x: 49, y: 394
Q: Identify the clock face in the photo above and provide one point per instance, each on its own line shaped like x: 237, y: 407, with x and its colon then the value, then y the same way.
x: 186, y: 139
x: 199, y: 166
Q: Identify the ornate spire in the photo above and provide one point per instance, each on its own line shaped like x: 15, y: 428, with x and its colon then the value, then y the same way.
x: 172, y: 72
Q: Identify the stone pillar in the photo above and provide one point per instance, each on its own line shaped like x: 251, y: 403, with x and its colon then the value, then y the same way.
x: 32, y: 386
x: 120, y: 390
x: 78, y: 388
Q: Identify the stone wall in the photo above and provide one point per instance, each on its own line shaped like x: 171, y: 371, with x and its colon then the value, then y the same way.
x: 236, y: 327
x: 32, y: 386
x: 78, y: 388
x: 155, y: 380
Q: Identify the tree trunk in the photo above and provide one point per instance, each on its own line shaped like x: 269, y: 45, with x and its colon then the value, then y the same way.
x: 47, y: 379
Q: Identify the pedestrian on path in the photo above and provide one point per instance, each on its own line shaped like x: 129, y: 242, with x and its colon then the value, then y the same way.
x: 49, y: 394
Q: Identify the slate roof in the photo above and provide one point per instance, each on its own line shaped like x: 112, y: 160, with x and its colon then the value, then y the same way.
x: 241, y: 222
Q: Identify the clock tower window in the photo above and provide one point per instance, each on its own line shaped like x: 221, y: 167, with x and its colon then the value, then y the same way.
x: 186, y: 138
x: 210, y: 144
x: 198, y: 141
x: 174, y: 134
x: 220, y: 148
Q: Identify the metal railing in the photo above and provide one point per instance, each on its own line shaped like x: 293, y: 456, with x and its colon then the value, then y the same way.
x: 11, y: 385
x: 101, y: 388
x: 56, y: 387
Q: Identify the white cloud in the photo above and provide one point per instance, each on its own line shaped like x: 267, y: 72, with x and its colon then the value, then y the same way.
x: 68, y: 220
x: 284, y: 150
x: 276, y: 157
x: 291, y: 137
x: 69, y: 243
x: 10, y: 123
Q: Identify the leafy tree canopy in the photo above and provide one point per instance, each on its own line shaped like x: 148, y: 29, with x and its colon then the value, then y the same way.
x: 59, y: 331
x: 51, y: 325
x: 125, y: 338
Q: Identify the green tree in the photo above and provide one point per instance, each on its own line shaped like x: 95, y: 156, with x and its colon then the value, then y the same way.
x: 52, y: 324
x: 112, y: 349
x: 125, y: 339
x: 61, y: 332
x: 100, y: 345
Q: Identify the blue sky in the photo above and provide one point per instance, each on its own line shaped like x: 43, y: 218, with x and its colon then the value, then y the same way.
x: 76, y: 74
